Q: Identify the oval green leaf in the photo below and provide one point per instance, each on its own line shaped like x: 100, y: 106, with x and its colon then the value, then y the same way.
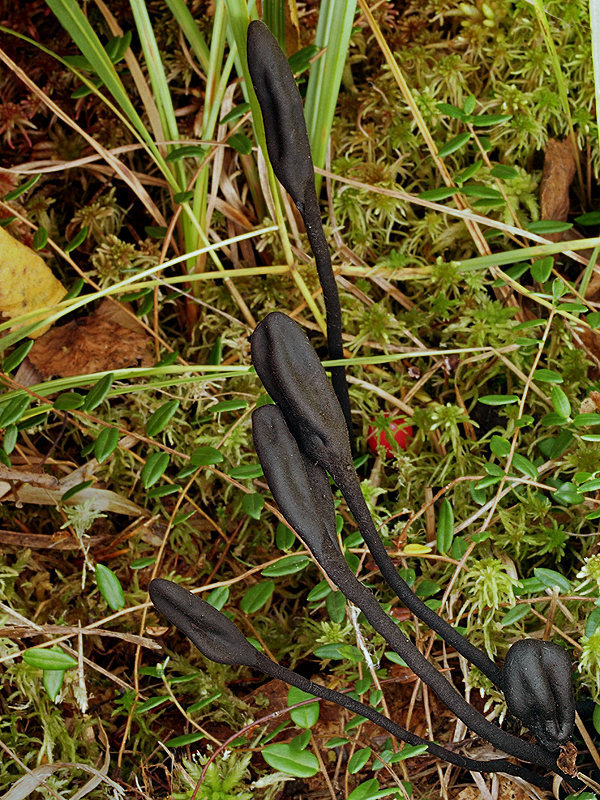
x: 161, y: 417
x: 154, y: 468
x: 54, y: 659
x: 110, y: 587
x: 288, y: 759
x: 287, y: 566
x: 105, y: 443
x: 257, y: 596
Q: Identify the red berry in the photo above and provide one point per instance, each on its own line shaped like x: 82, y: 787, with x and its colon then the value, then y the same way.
x: 396, y: 427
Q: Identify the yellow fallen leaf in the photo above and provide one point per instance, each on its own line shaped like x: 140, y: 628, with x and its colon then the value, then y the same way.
x: 416, y: 550
x: 26, y: 282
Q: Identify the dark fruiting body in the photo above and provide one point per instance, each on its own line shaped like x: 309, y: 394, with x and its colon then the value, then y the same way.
x: 538, y: 687
x: 313, y: 518
x: 212, y: 632
x: 220, y: 640
x: 294, y: 377
x: 289, y: 153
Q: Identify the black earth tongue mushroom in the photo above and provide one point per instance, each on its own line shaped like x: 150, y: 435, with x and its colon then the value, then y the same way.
x: 292, y: 374
x: 217, y: 638
x: 297, y: 487
x: 538, y: 687
x: 289, y: 153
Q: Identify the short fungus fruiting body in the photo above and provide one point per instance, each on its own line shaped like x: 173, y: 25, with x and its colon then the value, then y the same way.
x: 538, y: 687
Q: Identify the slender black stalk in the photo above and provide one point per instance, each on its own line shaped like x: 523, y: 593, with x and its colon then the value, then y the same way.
x: 294, y: 377
x: 303, y: 507
x: 289, y: 153
x: 220, y: 640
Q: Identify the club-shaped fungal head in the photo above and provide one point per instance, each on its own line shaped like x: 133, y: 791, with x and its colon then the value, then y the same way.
x: 300, y: 488
x: 292, y: 374
x: 283, y: 117
x: 538, y: 687
x: 213, y: 633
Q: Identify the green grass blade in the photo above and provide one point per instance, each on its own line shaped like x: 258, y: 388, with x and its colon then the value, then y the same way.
x: 274, y: 18
x: 595, y: 26
x: 336, y: 18
x: 79, y: 29
x: 190, y: 30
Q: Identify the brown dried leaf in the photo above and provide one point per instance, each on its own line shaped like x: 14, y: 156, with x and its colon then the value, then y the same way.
x: 90, y: 344
x: 557, y: 175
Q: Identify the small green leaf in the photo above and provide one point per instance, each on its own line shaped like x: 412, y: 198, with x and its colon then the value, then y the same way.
x: 253, y: 504
x: 97, y: 393
x: 515, y: 614
x: 18, y: 355
x: 40, y: 238
x: 395, y: 658
x: 257, y: 596
x: 79, y: 487
x: 110, y: 587
x: 305, y: 716
x: 451, y: 111
x: 469, y: 104
x: 553, y: 419
x: 336, y: 741
x: 560, y: 401
x: 445, y: 528
x: 14, y: 193
x: 203, y: 456
x: 408, y: 751
x: 10, y: 439
x: 367, y: 790
x: 187, y: 738
x: 68, y: 401
x: 183, y: 197
x: 591, y: 218
x: 163, y: 491
x: 490, y: 119
x: 468, y: 173
x: 498, y: 399
x: 52, y: 658
x: 241, y: 143
x: 339, y: 652
x: 202, y: 703
x: 154, y: 469
x: 551, y: 579
x: 335, y: 602
x: 504, y: 172
x: 586, y: 420
x: 484, y: 192
x: 358, y: 760
x: 592, y: 623
x: 218, y: 597
x: 499, y: 446
x: 291, y: 760
x: 454, y: 144
x: 76, y: 241
x: 541, y: 269
x: 319, y: 592
x: 435, y: 195
x: 14, y: 410
x: 141, y: 563
x: 105, y: 443
x: 545, y: 226
x: 285, y: 537
x: 525, y: 466
x: 150, y: 703
x: 228, y: 405
x: 53, y: 681
x: 161, y: 417
x: 187, y: 151
x: 236, y: 112
x: 547, y: 376
x: 246, y: 472
x: 287, y: 566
